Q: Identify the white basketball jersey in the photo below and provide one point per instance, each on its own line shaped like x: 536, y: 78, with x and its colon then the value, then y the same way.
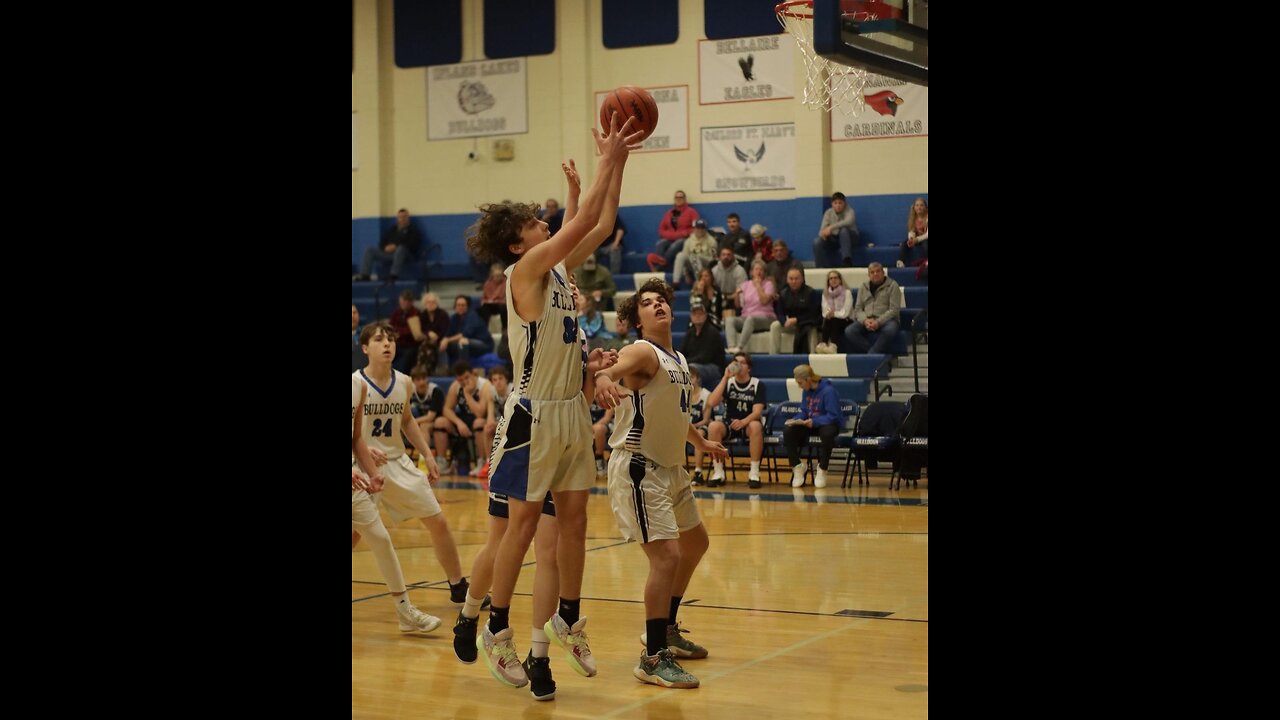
x: 654, y: 420
x: 383, y: 411
x: 548, y: 358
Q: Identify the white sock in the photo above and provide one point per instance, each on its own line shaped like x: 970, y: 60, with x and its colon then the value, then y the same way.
x: 471, y: 606
x: 540, y: 644
x: 404, y: 598
x: 717, y: 467
x: 755, y: 467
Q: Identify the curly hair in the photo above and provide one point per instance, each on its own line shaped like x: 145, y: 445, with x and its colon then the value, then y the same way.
x: 491, y: 236
x: 629, y: 310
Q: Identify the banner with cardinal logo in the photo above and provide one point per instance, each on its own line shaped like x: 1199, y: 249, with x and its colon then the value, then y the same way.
x: 746, y: 69
x: 749, y: 157
x: 893, y: 109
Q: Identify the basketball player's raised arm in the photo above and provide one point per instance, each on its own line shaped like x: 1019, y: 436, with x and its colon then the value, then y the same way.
x: 608, y: 216
x: 527, y: 276
x: 414, y: 433
x: 575, y: 189
x: 636, y: 365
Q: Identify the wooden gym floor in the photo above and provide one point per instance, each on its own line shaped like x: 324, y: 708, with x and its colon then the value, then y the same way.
x: 812, y: 604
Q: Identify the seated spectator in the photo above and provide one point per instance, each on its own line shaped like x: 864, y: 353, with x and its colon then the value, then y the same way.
x: 699, y: 252
x: 737, y: 240
x: 916, y: 247
x: 837, y: 304
x: 592, y: 323
x: 399, y: 245
x: 406, y: 347
x: 761, y: 244
x: 496, y: 390
x: 611, y: 250
x: 703, y: 345
x: 875, y: 313
x: 706, y: 292
x: 699, y: 416
x: 552, y: 215
x: 837, y: 236
x: 728, y: 276
x: 426, y: 403
x: 466, y: 413
x: 595, y: 281
x: 819, y: 415
x: 676, y: 225
x: 782, y: 263
x: 493, y: 299
x: 755, y: 297
x: 745, y: 399
x: 800, y: 316
x: 433, y: 324
x: 468, y: 335
x: 622, y: 337
x: 601, y: 426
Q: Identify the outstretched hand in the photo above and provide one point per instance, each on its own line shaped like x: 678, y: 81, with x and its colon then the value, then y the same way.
x: 620, y: 140
x: 571, y: 175
x: 599, y: 359
x: 717, y: 451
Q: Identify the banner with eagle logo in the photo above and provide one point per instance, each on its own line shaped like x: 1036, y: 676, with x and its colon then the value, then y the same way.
x: 891, y: 109
x: 749, y: 157
x: 476, y: 99
x: 746, y: 69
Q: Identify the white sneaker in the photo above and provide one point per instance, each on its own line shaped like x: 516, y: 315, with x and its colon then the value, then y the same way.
x: 901, y: 264
x: 499, y: 653
x: 717, y: 472
x: 820, y: 478
x: 414, y: 620
x: 797, y: 477
x: 734, y: 350
x: 573, y: 640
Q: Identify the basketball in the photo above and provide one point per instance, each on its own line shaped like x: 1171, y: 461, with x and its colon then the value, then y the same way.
x: 631, y: 101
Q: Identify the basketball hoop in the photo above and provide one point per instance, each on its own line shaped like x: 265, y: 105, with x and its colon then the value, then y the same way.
x: 827, y: 83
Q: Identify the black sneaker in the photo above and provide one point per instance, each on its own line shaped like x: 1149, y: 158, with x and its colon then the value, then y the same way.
x: 464, y: 638
x: 754, y: 484
x: 541, y: 686
x: 697, y: 478
x: 458, y: 594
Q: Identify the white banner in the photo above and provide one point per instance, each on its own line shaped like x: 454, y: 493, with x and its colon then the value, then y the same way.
x: 476, y: 99
x: 893, y: 109
x: 749, y: 157
x: 746, y: 69
x: 672, y: 132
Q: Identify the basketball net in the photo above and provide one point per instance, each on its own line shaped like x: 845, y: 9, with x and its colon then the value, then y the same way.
x: 827, y: 83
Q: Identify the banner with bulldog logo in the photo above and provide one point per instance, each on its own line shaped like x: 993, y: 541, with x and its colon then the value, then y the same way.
x: 475, y: 99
